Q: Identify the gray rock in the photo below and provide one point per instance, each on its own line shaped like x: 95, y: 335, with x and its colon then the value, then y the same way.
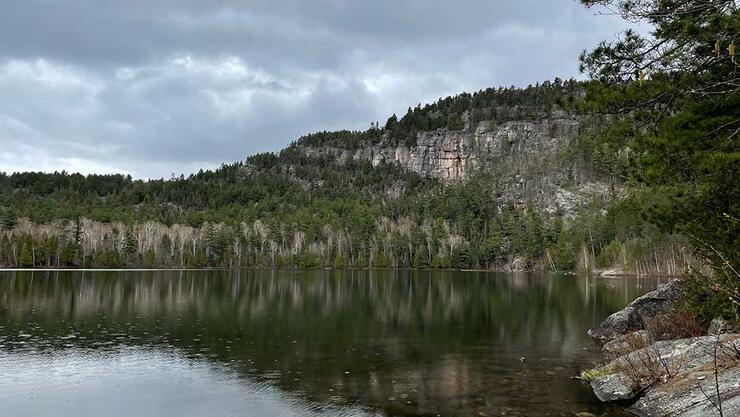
x: 679, y: 355
x: 684, y: 398
x: 618, y: 324
x: 614, y: 387
x: 670, y: 373
x: 634, y: 316
x: 658, y: 301
x: 720, y: 326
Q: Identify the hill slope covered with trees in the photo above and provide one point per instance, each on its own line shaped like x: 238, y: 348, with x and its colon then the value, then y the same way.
x: 560, y: 207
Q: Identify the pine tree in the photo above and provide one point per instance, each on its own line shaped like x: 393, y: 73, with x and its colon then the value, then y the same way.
x: 8, y: 220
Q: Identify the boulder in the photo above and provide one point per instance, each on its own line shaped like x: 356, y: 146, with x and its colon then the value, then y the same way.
x: 612, y: 388
x: 718, y: 326
x: 618, y: 324
x: 667, y: 375
x: 658, y: 301
x: 634, y: 316
x: 684, y: 398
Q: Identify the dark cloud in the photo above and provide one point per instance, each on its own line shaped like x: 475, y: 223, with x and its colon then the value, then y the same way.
x: 154, y: 87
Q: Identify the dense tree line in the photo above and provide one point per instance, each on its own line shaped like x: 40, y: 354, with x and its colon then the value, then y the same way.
x: 290, y: 210
x: 294, y: 209
x: 677, y: 91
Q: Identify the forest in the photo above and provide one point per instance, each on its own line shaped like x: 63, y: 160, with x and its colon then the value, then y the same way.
x: 294, y: 210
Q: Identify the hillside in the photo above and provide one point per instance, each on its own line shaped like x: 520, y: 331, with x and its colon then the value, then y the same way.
x: 526, y: 142
x: 503, y: 178
x: 526, y: 158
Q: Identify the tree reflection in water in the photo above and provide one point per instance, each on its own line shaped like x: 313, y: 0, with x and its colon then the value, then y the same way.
x: 397, y: 342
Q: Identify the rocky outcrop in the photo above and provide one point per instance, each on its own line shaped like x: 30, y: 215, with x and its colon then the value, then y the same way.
x: 658, y: 301
x: 523, y: 156
x: 676, y: 378
x: 618, y: 324
x: 669, y: 376
x: 450, y: 155
x: 719, y: 326
x: 635, y: 316
x: 687, y: 396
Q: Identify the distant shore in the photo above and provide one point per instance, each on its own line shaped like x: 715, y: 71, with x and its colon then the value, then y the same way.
x: 596, y: 273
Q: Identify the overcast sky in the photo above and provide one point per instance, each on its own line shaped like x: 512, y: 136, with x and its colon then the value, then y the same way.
x: 154, y: 87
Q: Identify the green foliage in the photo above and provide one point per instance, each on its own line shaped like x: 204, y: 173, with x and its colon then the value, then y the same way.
x: 8, y: 219
x: 709, y: 301
x: 68, y: 255
x: 679, y: 91
x: 109, y: 259
x: 26, y: 255
x: 589, y: 375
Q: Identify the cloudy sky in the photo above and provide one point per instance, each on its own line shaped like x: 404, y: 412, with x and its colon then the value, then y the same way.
x: 154, y: 87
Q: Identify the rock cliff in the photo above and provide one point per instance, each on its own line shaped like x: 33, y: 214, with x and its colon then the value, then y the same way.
x: 528, y: 159
x: 450, y: 155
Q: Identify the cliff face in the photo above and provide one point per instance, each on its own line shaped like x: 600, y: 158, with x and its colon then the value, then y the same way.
x: 528, y: 159
x: 450, y: 155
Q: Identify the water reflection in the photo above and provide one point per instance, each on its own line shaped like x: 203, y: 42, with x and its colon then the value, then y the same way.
x: 140, y: 382
x: 295, y: 343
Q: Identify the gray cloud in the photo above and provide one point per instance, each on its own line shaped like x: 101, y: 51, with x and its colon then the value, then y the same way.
x: 155, y: 87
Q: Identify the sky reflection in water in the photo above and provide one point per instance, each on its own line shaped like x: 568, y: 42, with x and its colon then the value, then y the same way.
x: 285, y: 343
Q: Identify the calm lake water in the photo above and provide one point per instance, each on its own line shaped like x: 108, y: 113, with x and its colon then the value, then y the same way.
x: 287, y: 343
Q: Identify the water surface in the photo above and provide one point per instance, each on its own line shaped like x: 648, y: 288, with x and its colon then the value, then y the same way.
x: 287, y: 343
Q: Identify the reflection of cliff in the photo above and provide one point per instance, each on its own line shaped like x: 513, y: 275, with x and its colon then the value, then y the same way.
x: 435, y: 342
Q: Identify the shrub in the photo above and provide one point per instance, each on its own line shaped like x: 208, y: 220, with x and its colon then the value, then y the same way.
x: 706, y: 295
x: 589, y: 375
x: 680, y: 323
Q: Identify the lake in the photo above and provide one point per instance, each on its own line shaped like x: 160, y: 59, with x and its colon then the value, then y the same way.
x: 301, y: 343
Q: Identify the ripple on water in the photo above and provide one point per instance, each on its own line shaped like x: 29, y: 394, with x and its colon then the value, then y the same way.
x: 265, y: 343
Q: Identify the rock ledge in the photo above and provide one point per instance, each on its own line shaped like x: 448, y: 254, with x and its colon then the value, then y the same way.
x: 634, y: 316
x: 668, y: 378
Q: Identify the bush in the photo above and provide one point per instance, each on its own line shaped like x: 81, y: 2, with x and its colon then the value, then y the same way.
x: 706, y: 296
x: 680, y: 323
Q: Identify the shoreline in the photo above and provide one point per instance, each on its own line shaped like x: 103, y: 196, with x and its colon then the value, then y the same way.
x: 596, y: 273
x: 653, y: 375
